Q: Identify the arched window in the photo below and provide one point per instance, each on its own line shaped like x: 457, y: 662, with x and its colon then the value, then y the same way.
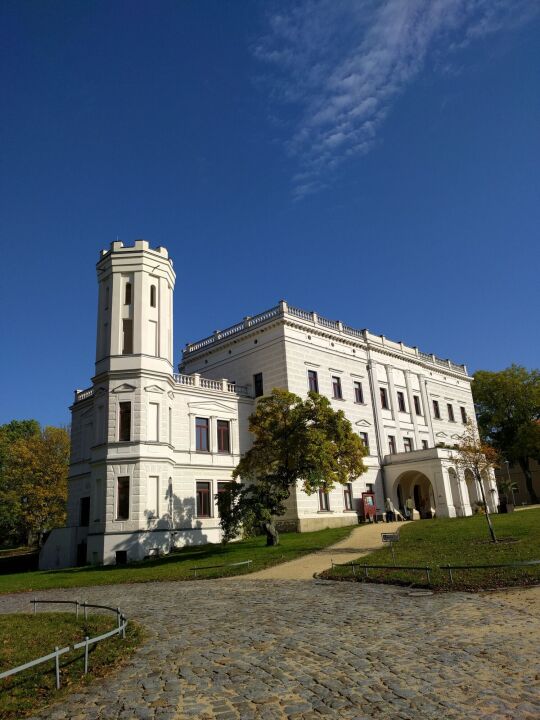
x: 152, y: 296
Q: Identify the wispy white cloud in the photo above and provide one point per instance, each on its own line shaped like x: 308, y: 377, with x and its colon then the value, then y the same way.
x: 342, y: 63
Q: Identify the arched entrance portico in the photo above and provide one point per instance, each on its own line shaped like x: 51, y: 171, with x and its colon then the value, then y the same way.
x: 414, y: 484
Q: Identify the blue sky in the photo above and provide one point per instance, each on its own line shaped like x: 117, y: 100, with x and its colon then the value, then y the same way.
x: 375, y: 161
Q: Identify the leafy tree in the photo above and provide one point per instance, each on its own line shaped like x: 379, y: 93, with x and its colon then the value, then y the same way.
x: 479, y: 458
x: 34, y: 482
x: 11, y: 530
x: 295, y: 441
x: 508, y: 410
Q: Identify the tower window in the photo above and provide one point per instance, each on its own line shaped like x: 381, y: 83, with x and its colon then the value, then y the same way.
x: 107, y: 298
x: 127, y: 294
x: 124, y: 424
x: 127, y: 336
x: 152, y: 296
x: 122, y: 498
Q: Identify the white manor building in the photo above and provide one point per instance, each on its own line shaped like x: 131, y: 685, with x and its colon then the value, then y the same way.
x: 151, y: 448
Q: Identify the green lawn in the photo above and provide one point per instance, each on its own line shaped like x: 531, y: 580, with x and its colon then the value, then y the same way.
x: 179, y: 565
x: 27, y: 637
x: 459, y: 541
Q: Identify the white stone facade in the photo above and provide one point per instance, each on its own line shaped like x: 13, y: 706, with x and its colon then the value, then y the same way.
x: 150, y: 446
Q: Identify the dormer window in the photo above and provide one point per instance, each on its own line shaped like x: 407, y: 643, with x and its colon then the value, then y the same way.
x: 152, y: 296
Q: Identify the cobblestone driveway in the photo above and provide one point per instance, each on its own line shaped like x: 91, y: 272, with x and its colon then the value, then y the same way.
x: 303, y: 650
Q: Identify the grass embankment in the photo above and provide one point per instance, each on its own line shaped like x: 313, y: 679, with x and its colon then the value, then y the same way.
x: 27, y: 637
x: 458, y: 541
x: 179, y: 564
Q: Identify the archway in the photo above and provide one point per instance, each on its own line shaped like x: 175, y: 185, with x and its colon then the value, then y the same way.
x: 416, y: 485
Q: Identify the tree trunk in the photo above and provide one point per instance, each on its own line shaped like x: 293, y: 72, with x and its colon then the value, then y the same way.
x: 524, y: 464
x: 272, y: 536
x: 488, y: 517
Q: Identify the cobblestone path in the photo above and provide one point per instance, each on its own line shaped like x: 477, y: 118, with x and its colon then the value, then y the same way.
x: 307, y: 650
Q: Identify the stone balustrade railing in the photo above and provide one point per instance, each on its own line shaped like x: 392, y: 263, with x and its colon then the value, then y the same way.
x: 284, y: 309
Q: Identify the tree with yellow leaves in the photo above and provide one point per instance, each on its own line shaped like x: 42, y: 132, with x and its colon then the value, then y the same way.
x: 34, y: 481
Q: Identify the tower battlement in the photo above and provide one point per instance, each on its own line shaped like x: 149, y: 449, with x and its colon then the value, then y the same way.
x: 118, y: 246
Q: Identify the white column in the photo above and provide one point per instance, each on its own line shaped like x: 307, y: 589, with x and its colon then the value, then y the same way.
x: 412, y: 409
x: 233, y: 425
x: 427, y: 408
x: 213, y: 434
x: 376, y: 401
x: 393, y: 406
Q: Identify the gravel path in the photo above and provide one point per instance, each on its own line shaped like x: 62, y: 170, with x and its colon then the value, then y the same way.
x: 362, y: 540
x: 281, y: 649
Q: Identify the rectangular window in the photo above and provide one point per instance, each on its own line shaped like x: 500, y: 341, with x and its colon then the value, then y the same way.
x: 358, y: 393
x: 203, y: 499
x: 417, y: 405
x: 451, y: 413
x: 84, y: 515
x: 152, y: 431
x: 222, y: 487
x: 258, y: 384
x: 436, y: 410
x: 223, y: 436
x: 425, y: 445
x: 124, y: 425
x: 324, y: 501
x: 127, y: 294
x: 401, y: 401
x: 392, y: 445
x: 408, y: 444
x: 122, y: 498
x: 336, y: 387
x: 384, y: 399
x: 365, y: 439
x: 152, y: 296
x: 313, y: 382
x: 347, y: 496
x: 170, y: 426
x: 152, y: 496
x: 202, y: 434
x: 463, y: 415
x: 127, y: 336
